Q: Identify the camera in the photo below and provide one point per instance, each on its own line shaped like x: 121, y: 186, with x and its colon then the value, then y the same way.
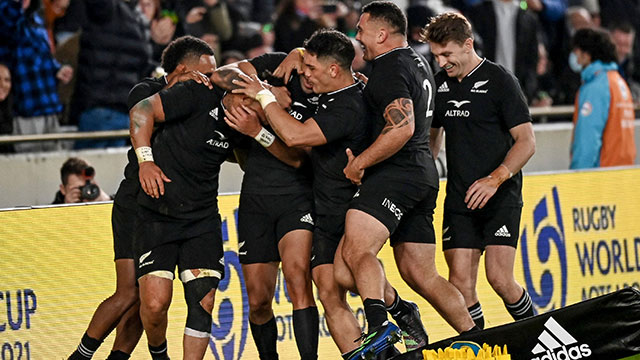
x: 89, y: 191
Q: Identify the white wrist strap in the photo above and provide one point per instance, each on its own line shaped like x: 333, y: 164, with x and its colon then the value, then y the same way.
x: 265, y: 97
x: 144, y: 153
x: 510, y: 173
x: 265, y: 138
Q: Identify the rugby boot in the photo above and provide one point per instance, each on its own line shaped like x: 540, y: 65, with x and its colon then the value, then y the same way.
x: 414, y: 335
x: 388, y: 354
x: 376, y: 341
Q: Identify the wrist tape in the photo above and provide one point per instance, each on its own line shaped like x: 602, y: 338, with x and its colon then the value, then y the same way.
x: 265, y: 97
x: 265, y: 138
x: 144, y: 154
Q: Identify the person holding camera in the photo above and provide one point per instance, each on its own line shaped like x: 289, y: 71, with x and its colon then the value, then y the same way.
x: 78, y: 183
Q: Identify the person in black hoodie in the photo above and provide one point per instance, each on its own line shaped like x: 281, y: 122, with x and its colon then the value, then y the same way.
x: 115, y: 54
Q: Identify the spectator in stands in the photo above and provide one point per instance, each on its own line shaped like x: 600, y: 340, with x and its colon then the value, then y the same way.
x: 568, y: 81
x: 517, y: 51
x: 258, y: 11
x: 205, y: 18
x: 114, y: 55
x: 24, y: 47
x: 623, y: 36
x: 6, y: 114
x: 162, y: 25
x: 78, y: 183
x: 603, y: 119
x: 624, y: 11
x: 296, y: 20
x: 418, y: 17
x: 53, y: 9
x: 546, y: 82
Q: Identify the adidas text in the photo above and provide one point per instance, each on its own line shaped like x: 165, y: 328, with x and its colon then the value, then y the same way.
x: 557, y: 344
x: 574, y: 352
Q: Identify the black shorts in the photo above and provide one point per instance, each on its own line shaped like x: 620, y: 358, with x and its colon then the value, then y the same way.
x: 123, y: 225
x: 326, y: 237
x: 476, y: 230
x: 265, y: 219
x: 403, y: 207
x: 202, y: 251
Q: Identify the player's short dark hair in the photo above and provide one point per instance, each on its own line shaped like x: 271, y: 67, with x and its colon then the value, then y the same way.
x: 181, y: 49
x: 331, y: 43
x: 388, y: 12
x: 74, y: 166
x: 595, y: 42
x: 447, y: 27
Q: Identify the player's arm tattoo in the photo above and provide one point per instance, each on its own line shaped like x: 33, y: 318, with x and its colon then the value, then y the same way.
x: 398, y: 113
x: 224, y: 77
x: 141, y: 113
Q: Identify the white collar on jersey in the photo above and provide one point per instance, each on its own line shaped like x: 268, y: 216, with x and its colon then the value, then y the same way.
x: 476, y: 68
x: 390, y: 51
x: 344, y: 88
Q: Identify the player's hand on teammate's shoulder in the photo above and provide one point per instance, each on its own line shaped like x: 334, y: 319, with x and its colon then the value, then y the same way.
x: 360, y: 76
x: 152, y: 179
x: 293, y: 62
x: 197, y: 76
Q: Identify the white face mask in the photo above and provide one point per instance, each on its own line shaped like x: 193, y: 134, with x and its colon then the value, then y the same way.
x: 573, y: 62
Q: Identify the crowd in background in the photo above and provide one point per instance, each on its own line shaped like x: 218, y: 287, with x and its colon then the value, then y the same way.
x: 72, y: 62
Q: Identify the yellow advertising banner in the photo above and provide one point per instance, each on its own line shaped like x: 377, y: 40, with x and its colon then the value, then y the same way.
x: 579, y: 238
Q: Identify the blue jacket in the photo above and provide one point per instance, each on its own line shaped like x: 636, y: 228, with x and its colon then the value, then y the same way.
x: 603, y: 119
x: 24, y: 47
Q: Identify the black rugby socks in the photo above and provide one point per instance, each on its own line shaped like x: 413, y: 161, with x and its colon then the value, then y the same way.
x: 376, y: 313
x: 118, y: 355
x: 399, y: 307
x: 305, y: 329
x: 86, y: 348
x: 266, y: 336
x: 159, y: 352
x: 522, y: 308
x: 477, y: 315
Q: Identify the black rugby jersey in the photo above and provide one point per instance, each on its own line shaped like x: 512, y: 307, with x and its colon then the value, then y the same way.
x: 130, y: 185
x: 264, y: 173
x: 477, y: 114
x: 341, y: 117
x: 402, y: 73
x: 192, y: 145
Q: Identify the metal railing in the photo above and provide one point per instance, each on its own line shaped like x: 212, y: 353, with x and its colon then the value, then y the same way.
x: 536, y: 112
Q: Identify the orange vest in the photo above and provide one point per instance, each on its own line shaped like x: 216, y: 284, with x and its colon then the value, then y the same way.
x: 618, y: 144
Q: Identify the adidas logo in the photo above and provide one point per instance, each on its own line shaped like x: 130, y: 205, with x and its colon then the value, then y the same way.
x: 555, y: 344
x: 443, y: 88
x: 503, y: 232
x: 307, y: 218
x: 214, y: 113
